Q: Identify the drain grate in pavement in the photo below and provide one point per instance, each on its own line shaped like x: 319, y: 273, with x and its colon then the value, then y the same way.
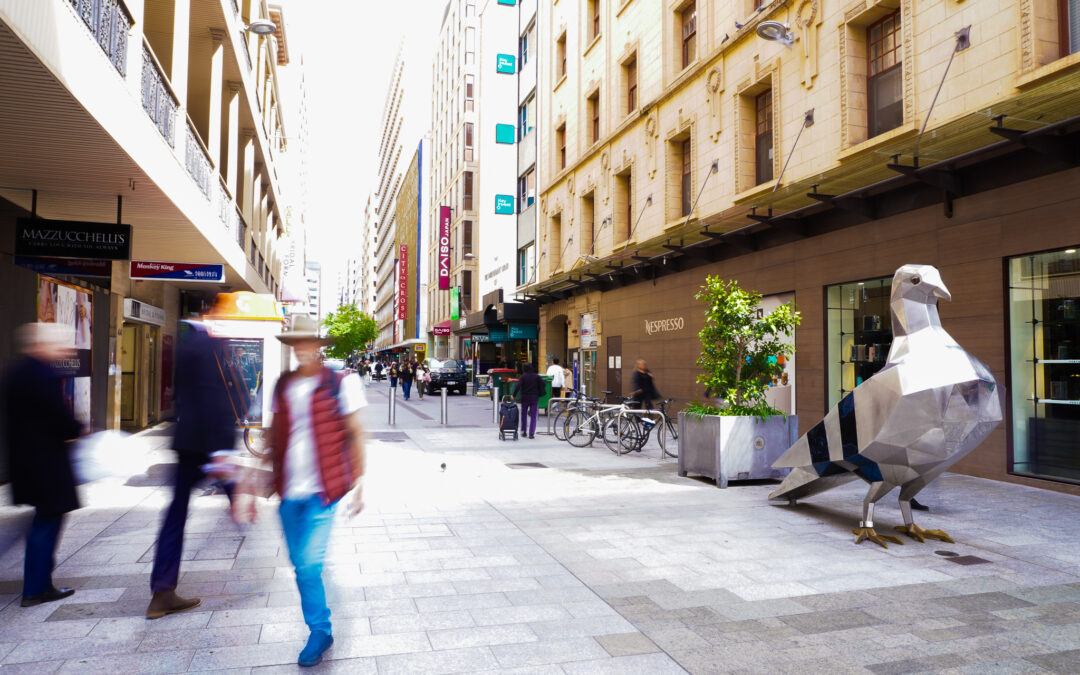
x: 527, y: 465
x: 968, y: 560
x: 389, y: 436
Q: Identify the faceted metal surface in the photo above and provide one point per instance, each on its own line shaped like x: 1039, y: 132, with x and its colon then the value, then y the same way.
x: 930, y: 405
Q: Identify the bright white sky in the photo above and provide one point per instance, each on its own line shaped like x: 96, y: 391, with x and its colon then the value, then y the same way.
x: 348, y: 48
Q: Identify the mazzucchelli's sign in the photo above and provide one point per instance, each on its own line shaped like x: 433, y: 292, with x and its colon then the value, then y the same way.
x: 664, y: 325
x: 72, y: 239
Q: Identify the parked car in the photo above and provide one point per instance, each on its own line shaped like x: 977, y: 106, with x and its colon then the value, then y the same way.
x: 449, y: 375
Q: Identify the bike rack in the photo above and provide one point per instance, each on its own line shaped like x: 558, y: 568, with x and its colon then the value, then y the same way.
x: 661, y: 433
x: 549, y: 432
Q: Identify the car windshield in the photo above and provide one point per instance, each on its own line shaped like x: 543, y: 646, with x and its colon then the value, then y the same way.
x: 448, y: 365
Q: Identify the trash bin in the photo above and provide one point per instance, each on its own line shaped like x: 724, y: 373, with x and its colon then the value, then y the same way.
x: 545, y: 395
x: 506, y: 388
x: 497, y: 375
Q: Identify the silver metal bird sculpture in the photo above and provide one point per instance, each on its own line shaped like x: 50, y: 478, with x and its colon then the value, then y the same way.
x: 929, y: 406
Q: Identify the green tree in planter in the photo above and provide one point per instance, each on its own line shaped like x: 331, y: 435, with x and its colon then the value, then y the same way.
x: 352, y: 329
x: 739, y: 348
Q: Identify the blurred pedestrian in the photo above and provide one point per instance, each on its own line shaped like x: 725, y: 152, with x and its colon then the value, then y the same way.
x: 529, y: 385
x: 39, y: 424
x: 555, y: 371
x: 644, y: 386
x: 318, y: 456
x: 394, y: 372
x: 378, y: 370
x: 422, y: 380
x: 406, y: 375
x: 205, y: 424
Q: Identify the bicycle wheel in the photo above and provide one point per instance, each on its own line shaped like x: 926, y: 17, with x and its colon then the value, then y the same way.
x: 558, y: 424
x: 579, y: 429
x: 671, y: 442
x: 610, y: 432
x: 637, y: 436
x: 257, y: 441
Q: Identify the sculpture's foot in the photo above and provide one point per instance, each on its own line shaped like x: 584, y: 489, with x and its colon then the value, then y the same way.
x: 916, y: 532
x: 864, y: 533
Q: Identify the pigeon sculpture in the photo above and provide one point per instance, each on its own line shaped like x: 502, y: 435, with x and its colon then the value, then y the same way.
x: 931, y: 404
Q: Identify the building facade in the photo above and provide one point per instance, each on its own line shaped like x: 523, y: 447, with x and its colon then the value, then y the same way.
x: 810, y: 158
x: 313, y: 279
x: 145, y: 139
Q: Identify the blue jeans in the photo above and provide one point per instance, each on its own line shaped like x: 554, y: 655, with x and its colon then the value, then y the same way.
x: 40, y: 558
x: 406, y: 387
x: 306, y: 523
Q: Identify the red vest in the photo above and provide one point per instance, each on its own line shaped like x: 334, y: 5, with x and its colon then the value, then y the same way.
x: 333, y: 442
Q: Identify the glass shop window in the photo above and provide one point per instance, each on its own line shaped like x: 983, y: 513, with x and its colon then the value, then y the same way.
x: 1044, y: 349
x: 859, y: 325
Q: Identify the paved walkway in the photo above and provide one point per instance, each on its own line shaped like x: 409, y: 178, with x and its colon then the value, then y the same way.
x: 588, y: 563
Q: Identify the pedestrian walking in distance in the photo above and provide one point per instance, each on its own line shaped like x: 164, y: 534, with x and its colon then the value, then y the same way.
x: 557, y: 378
x: 393, y: 374
x: 423, y: 378
x: 318, y: 457
x: 406, y: 373
x: 530, y: 385
x: 39, y: 424
x: 205, y: 424
x: 644, y: 387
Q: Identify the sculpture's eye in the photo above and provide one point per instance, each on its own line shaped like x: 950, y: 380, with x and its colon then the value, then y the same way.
x: 916, y: 280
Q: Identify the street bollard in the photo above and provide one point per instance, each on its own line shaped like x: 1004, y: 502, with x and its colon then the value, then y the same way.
x: 442, y: 406
x: 494, y: 409
x: 393, y: 406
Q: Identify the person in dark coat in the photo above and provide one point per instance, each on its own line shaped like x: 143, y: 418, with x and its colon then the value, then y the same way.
x: 406, y: 373
x: 393, y: 373
x: 205, y: 424
x: 39, y: 424
x: 644, y: 387
x: 531, y: 387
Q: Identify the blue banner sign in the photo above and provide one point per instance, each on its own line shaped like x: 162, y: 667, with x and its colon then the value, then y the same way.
x: 506, y: 63
x: 504, y: 204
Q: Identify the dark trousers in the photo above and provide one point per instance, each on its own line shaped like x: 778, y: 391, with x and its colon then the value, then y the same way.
x: 41, y: 541
x: 170, y: 543
x: 406, y: 387
x: 528, y: 415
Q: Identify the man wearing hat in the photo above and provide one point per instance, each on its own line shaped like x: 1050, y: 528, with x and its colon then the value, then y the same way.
x: 318, y: 457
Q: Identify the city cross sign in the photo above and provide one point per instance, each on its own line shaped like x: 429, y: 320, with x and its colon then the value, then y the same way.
x: 444, y: 248
x: 505, y: 63
x: 403, y: 282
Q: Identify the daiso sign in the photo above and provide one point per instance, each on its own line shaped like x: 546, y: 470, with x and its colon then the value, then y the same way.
x: 444, y: 248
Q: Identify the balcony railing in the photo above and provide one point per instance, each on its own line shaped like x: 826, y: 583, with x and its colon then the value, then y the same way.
x: 226, y: 212
x: 109, y: 22
x: 235, y: 8
x: 197, y: 160
x: 157, y: 97
x: 244, y: 48
x: 241, y: 229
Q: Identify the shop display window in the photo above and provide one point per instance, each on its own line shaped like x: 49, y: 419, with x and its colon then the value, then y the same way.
x: 1044, y: 346
x: 859, y: 325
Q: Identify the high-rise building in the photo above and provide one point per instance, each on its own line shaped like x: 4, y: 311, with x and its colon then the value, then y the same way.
x: 156, y: 130
x: 313, y: 279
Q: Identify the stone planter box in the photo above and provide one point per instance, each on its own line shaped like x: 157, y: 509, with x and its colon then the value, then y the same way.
x: 728, y: 448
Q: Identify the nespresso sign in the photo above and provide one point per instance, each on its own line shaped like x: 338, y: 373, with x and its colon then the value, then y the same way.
x: 72, y: 239
x: 664, y: 325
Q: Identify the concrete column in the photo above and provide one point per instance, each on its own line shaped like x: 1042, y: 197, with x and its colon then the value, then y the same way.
x: 245, y: 189
x: 181, y: 48
x: 217, y: 85
x: 232, y: 141
x: 256, y: 203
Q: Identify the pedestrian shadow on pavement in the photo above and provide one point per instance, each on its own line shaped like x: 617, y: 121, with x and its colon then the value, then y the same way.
x: 157, y: 475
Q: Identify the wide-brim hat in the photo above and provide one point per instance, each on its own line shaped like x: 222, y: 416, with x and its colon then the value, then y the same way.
x: 303, y: 328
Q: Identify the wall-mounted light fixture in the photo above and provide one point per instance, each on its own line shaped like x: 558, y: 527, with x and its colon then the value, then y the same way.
x: 261, y: 27
x: 775, y: 31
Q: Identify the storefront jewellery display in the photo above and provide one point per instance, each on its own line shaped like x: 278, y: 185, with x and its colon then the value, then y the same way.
x: 930, y: 405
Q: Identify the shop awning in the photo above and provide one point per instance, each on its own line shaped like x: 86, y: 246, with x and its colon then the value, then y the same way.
x: 441, y: 328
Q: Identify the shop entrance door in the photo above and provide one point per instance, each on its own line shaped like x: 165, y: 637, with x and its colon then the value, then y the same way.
x: 614, y: 365
x: 152, y: 409
x: 128, y: 380
x: 588, y: 372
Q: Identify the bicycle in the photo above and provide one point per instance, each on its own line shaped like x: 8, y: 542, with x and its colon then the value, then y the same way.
x: 587, y: 421
x: 559, y: 421
x: 634, y: 430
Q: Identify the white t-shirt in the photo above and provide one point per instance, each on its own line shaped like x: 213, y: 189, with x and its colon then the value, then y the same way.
x: 301, y: 472
x: 556, y: 373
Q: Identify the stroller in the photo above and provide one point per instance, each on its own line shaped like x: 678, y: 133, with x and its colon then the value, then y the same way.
x: 508, y: 418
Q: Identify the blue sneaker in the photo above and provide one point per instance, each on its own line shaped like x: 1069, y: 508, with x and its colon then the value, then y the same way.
x: 317, y: 644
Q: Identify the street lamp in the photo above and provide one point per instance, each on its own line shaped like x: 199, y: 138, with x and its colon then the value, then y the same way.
x: 261, y: 27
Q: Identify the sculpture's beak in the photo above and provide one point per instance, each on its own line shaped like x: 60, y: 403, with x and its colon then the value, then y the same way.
x: 943, y: 293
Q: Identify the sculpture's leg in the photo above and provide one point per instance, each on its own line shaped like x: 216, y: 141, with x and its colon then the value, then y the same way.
x: 866, y: 528
x: 907, y: 493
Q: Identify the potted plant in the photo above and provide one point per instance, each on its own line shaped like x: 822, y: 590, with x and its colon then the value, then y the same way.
x: 740, y: 435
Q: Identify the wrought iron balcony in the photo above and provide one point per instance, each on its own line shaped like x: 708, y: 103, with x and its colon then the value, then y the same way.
x: 225, y: 205
x: 197, y: 160
x: 157, y: 97
x: 109, y: 22
x: 241, y: 229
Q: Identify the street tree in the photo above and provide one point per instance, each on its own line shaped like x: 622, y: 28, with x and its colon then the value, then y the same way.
x: 351, y: 329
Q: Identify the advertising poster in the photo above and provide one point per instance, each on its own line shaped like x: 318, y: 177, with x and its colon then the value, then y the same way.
x: 166, y: 372
x: 71, y: 306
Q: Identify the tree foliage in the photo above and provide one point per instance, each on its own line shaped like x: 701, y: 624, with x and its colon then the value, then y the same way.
x: 351, y: 329
x: 739, y: 348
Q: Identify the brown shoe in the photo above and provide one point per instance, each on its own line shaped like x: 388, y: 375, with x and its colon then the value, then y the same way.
x: 168, y: 602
